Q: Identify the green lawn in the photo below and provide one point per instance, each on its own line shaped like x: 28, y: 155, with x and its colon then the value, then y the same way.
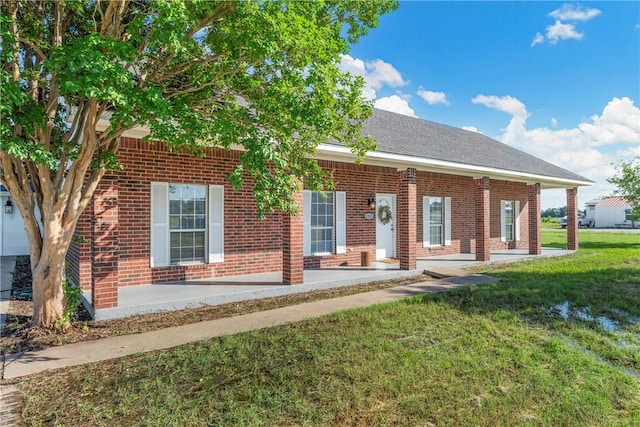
x: 497, y: 354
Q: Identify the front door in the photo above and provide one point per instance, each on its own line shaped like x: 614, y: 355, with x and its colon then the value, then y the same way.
x: 385, y: 226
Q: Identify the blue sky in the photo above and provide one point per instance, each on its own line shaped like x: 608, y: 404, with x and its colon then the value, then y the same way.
x: 558, y: 80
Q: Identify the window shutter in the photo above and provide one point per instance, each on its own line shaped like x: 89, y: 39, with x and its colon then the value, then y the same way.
x: 426, y: 230
x: 216, y: 223
x: 447, y: 221
x: 341, y: 222
x: 159, y: 224
x: 517, y: 219
x: 306, y: 220
x: 503, y: 222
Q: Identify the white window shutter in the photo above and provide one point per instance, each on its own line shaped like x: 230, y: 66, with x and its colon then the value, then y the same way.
x: 159, y: 224
x: 503, y: 222
x: 447, y: 221
x: 341, y: 222
x: 517, y: 219
x: 216, y: 223
x: 306, y: 220
x: 426, y: 230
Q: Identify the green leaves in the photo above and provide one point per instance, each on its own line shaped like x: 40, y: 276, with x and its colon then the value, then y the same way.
x: 261, y: 76
x: 627, y: 179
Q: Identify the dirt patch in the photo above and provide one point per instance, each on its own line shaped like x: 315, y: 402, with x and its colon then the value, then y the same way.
x: 20, y: 336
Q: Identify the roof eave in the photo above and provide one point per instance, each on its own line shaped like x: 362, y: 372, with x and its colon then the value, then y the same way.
x: 401, y: 162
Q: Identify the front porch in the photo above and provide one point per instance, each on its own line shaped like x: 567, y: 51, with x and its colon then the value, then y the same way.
x: 141, y: 299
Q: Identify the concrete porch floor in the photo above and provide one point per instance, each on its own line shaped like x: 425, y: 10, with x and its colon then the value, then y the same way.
x: 141, y: 299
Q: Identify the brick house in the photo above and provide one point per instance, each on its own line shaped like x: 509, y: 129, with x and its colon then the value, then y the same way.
x: 430, y: 189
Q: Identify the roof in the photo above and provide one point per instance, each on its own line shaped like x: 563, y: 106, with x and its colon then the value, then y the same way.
x: 398, y: 134
x: 613, y: 201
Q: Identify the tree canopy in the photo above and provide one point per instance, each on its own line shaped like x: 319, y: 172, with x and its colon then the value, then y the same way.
x: 261, y: 77
x: 627, y: 179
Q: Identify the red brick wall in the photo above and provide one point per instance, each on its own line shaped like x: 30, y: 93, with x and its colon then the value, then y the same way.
x: 252, y: 245
x: 360, y: 182
x: 461, y: 189
x: 516, y: 191
x: 572, y: 219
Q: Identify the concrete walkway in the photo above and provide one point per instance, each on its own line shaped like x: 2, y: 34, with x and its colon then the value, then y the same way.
x: 141, y: 299
x: 22, y: 364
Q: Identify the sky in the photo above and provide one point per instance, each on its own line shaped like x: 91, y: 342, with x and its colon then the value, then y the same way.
x: 560, y: 81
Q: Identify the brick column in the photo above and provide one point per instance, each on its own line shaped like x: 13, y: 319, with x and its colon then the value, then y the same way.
x: 535, y: 244
x: 293, y: 245
x: 483, y: 219
x: 105, y: 244
x: 406, y: 219
x: 572, y: 219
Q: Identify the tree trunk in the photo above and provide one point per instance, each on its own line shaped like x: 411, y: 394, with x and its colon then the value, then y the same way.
x: 48, y: 296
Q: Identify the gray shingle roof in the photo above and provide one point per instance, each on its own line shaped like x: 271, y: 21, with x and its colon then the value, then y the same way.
x: 404, y: 135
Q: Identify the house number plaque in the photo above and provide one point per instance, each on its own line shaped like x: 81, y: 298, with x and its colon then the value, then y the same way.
x: 369, y: 215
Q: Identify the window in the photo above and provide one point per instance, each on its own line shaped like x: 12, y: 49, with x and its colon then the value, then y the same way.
x: 186, y: 224
x: 509, y: 220
x: 322, y: 221
x: 436, y: 221
x: 324, y: 216
x: 628, y: 215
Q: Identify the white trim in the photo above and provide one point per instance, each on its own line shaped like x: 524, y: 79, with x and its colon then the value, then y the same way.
x: 447, y: 221
x: 216, y: 224
x: 159, y: 218
x: 399, y: 161
x: 426, y: 231
x: 306, y: 222
x: 341, y: 222
x: 503, y: 221
x: 516, y: 207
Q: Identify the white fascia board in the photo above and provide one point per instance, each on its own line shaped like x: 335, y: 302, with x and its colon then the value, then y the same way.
x: 401, y: 162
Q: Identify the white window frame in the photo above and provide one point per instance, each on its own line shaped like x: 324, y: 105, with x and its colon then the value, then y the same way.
x: 515, y: 218
x: 160, y: 252
x: 426, y: 221
x: 339, y: 224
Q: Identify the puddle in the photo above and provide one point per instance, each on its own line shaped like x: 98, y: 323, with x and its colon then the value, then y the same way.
x: 621, y: 337
x: 567, y: 310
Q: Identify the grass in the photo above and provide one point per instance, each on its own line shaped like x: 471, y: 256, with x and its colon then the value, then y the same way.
x: 495, y: 354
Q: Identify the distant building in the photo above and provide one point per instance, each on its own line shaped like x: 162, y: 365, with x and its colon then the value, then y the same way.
x: 13, y: 236
x: 608, y: 211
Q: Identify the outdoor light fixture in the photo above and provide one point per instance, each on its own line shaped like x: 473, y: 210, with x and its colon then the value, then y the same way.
x: 8, y: 207
x: 371, y: 202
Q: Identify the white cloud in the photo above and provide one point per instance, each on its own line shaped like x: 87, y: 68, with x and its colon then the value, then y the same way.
x: 471, y: 129
x: 570, y: 12
x: 554, y: 122
x: 376, y: 74
x: 580, y: 149
x: 433, y: 97
x: 537, y: 39
x: 560, y: 31
x: 395, y: 104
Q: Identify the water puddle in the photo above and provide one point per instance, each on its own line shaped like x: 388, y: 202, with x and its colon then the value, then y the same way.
x: 618, y: 328
x: 567, y: 310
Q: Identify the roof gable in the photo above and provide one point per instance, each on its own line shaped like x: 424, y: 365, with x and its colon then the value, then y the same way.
x: 403, y: 135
